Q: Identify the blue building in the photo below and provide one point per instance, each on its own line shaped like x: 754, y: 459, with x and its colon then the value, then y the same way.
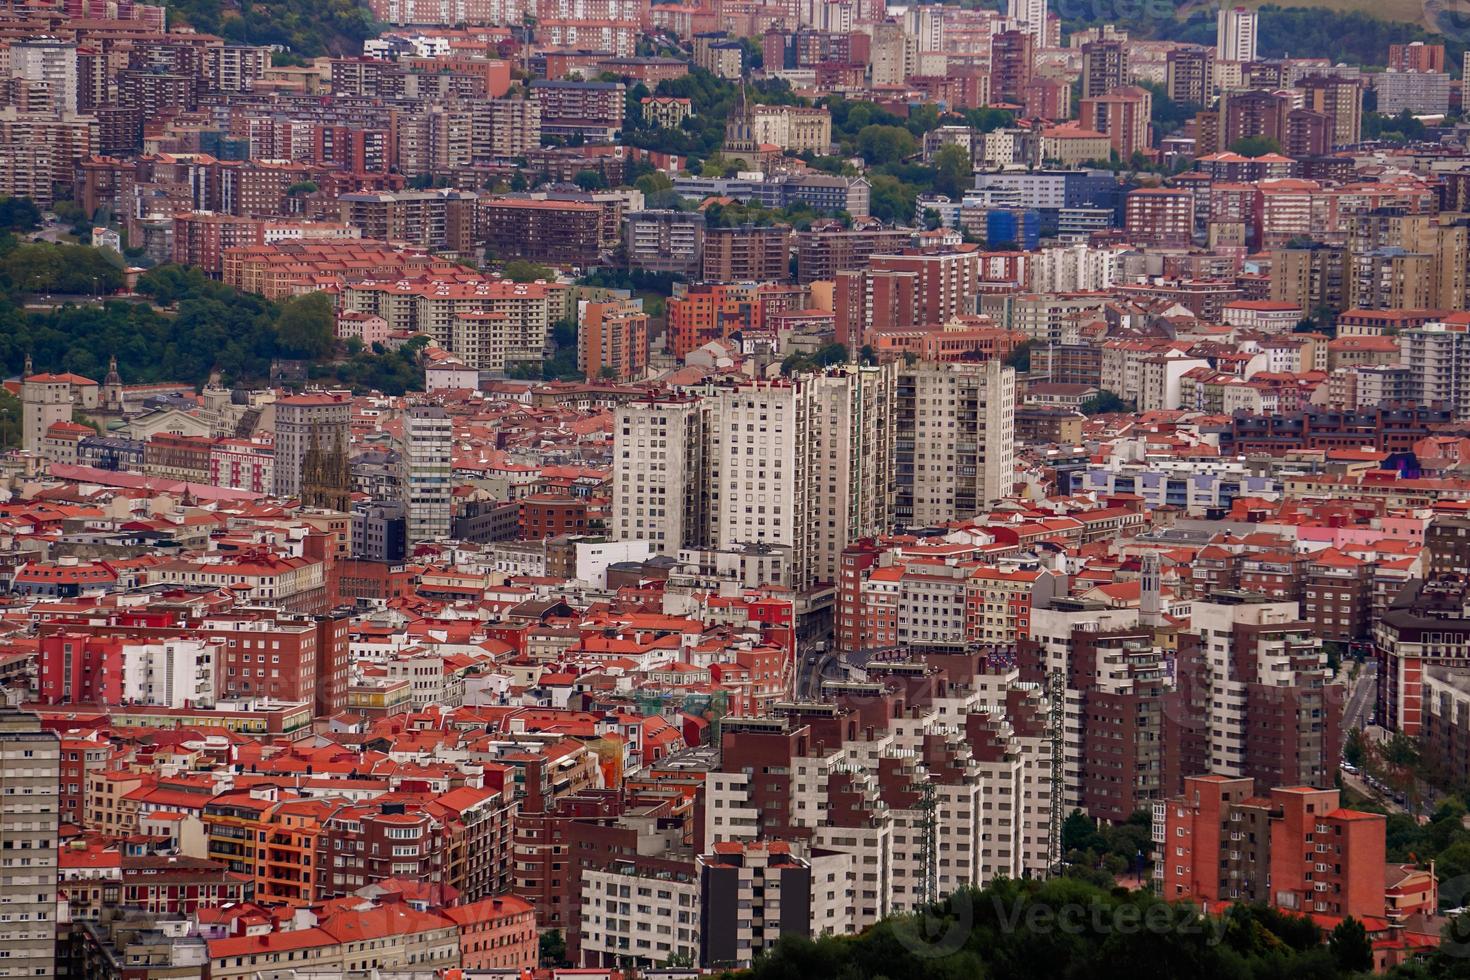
x: 1022, y: 228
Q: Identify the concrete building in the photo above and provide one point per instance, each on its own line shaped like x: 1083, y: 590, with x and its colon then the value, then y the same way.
x: 1261, y: 681
x: 794, y: 129
x: 751, y: 894
x: 1236, y: 34
x: 1438, y: 358
x: 801, y: 464
x: 953, y: 440
x: 612, y: 340
x: 1418, y: 92
x: 48, y: 66
x: 1031, y: 16
x: 658, y: 462
x: 665, y: 241
x: 1189, y: 75
x: 1296, y: 848
x: 47, y: 399
x: 1104, y: 67
x: 30, y: 774
x: 311, y: 424
x: 426, y: 458
x: 1160, y: 216
x: 747, y: 253
x: 1123, y: 743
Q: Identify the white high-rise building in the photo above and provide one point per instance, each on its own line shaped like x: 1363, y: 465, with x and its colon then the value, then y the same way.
x: 1438, y: 358
x: 1235, y: 34
x: 803, y: 465
x: 49, y: 62
x: 1076, y: 268
x: 926, y: 25
x: 176, y: 674
x: 428, y: 442
x: 30, y: 785
x: 1030, y: 17
x: 658, y: 462
x: 953, y: 440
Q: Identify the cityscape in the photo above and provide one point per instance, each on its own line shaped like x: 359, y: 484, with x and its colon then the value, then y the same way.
x: 621, y: 489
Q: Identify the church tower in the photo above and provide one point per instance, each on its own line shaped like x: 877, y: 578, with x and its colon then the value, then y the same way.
x: 112, y: 388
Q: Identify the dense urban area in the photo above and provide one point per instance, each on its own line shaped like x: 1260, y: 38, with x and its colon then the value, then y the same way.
x: 611, y: 489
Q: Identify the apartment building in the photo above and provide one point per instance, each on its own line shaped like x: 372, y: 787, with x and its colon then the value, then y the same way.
x: 754, y: 892
x: 908, y: 289
x: 1311, y: 277
x: 822, y: 252
x: 801, y: 465
x: 1104, y: 67
x: 658, y: 463
x: 747, y: 253
x: 1438, y: 358
x: 30, y: 783
x: 315, y: 424
x: 426, y: 458
x: 1120, y: 113
x: 849, y: 775
x: 1426, y: 625
x: 1261, y: 680
x: 593, y: 110
x: 795, y: 129
x: 567, y: 232
x: 1159, y: 216
x: 49, y: 66
x: 612, y: 340
x: 711, y: 311
x: 1295, y: 848
x: 953, y: 440
x: 504, y: 129
x: 665, y: 241
x: 1124, y: 743
x: 440, y: 220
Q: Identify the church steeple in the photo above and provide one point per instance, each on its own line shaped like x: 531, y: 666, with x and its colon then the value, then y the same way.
x: 112, y: 387
x: 26, y: 371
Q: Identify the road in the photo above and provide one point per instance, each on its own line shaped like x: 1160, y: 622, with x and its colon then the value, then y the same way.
x: 1360, y: 701
x: 813, y: 668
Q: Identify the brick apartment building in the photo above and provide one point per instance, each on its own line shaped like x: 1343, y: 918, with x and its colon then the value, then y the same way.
x: 568, y: 232
x: 549, y: 515
x: 1295, y: 848
x: 747, y: 253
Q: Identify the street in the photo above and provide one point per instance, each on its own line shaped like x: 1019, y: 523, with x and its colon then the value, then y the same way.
x: 1361, y: 699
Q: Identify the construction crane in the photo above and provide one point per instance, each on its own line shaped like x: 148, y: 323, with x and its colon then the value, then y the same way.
x: 1056, y: 691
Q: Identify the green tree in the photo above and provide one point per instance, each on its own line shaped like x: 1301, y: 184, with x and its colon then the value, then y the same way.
x: 1105, y: 402
x: 953, y: 171
x: 521, y: 270
x: 1351, y: 950
x: 553, y: 948
x: 654, y: 184
x: 885, y: 144
x: 305, y: 326
x: 1255, y: 146
x: 590, y: 180
x: 1079, y: 833
x: 19, y: 214
x: 1020, y: 356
